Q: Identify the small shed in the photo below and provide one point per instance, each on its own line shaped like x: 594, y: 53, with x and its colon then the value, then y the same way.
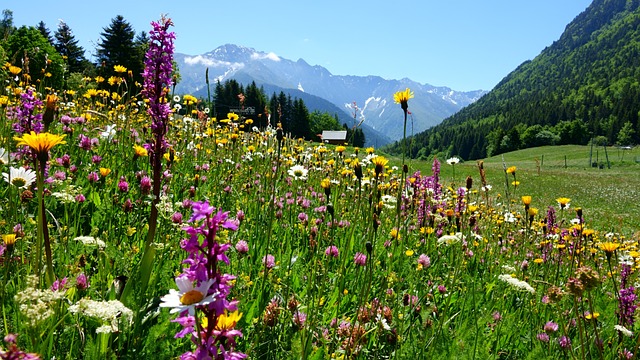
x: 334, y: 137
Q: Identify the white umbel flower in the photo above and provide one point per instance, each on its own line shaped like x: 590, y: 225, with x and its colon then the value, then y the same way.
x: 623, y: 330
x: 187, y: 297
x: 20, y: 177
x: 516, y: 283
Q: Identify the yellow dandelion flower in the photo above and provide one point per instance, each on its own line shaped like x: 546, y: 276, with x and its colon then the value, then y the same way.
x: 140, y: 151
x: 409, y: 252
x: 563, y: 202
x: 340, y: 149
x: 40, y: 143
x: 511, y: 170
x: 395, y: 234
x: 402, y: 98
x: 119, y: 69
x: 9, y: 239
x: 609, y: 247
x: 526, y: 200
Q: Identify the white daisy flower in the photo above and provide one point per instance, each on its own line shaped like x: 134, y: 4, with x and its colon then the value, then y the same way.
x: 452, y: 161
x: 298, y: 172
x: 20, y: 177
x: 4, y: 157
x: 188, y: 296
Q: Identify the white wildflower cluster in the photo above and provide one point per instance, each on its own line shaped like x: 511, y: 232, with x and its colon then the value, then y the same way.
x: 516, y: 283
x: 68, y: 194
x: 165, y: 207
x: 110, y: 313
x: 450, y: 239
x: 37, y: 304
x: 91, y: 241
x: 509, y: 268
x: 389, y: 201
x: 623, y: 330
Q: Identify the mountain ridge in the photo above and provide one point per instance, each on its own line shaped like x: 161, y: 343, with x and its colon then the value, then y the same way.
x: 430, y: 106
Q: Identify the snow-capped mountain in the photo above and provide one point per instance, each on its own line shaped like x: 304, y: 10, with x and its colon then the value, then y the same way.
x: 373, y: 95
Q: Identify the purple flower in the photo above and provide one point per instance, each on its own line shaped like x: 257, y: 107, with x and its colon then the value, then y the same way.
x: 299, y: 318
x: 424, y: 260
x: 123, y: 185
x: 145, y: 185
x: 550, y: 327
x: 27, y: 115
x: 176, y: 218
x: 93, y: 177
x: 80, y: 198
x: 84, y: 142
x: 59, y: 284
x: 242, y: 247
x: 82, y: 283
x: 269, y: 261
x: 564, y: 342
x: 332, y: 251
x: 360, y: 259
x: 544, y: 337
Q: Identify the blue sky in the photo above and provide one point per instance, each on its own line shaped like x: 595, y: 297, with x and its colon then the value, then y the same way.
x: 462, y: 44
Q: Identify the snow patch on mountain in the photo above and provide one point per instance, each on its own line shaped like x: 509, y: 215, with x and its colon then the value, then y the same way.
x: 300, y: 87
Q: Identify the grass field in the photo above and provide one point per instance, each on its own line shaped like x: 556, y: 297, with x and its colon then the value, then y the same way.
x: 609, y: 196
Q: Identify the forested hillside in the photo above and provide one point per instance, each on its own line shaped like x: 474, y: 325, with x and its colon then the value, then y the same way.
x: 583, y: 86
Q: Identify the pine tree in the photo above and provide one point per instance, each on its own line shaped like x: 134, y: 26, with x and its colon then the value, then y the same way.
x: 67, y: 45
x: 117, y: 47
x: 42, y: 27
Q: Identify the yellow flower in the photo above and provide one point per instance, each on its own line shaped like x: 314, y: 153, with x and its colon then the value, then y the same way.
x: 9, y: 239
x: 325, y: 183
x: 563, y: 202
x: 370, y: 150
x: 402, y: 98
x: 140, y: 151
x: 532, y: 212
x: 511, y: 170
x: 395, y: 234
x: 225, y: 321
x: 538, y: 261
x: 14, y: 70
x: 232, y: 116
x: 40, y: 143
x: 340, y: 149
x: 526, y: 200
x: 119, y: 69
x: 409, y: 252
x: 379, y: 162
x: 189, y: 99
x: 609, y: 247
x: 105, y: 171
x: 99, y: 79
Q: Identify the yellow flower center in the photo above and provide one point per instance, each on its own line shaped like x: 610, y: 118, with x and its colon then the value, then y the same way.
x: 191, y: 297
x: 18, y: 182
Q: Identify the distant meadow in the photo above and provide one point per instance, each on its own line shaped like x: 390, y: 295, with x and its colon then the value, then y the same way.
x: 138, y: 224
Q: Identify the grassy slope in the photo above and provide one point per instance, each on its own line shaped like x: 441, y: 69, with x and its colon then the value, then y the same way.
x: 609, y: 197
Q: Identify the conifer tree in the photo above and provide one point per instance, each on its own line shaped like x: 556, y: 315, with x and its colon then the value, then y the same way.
x: 42, y: 27
x: 67, y: 46
x: 117, y: 47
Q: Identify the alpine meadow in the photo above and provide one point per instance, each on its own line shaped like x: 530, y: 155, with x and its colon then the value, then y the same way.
x: 142, y: 222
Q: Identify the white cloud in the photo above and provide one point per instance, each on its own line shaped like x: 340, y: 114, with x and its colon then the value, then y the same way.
x: 270, y: 56
x: 199, y: 59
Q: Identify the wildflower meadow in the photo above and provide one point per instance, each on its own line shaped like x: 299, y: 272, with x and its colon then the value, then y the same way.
x: 132, y: 230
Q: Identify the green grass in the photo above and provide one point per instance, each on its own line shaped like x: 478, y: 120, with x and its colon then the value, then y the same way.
x: 608, y: 196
